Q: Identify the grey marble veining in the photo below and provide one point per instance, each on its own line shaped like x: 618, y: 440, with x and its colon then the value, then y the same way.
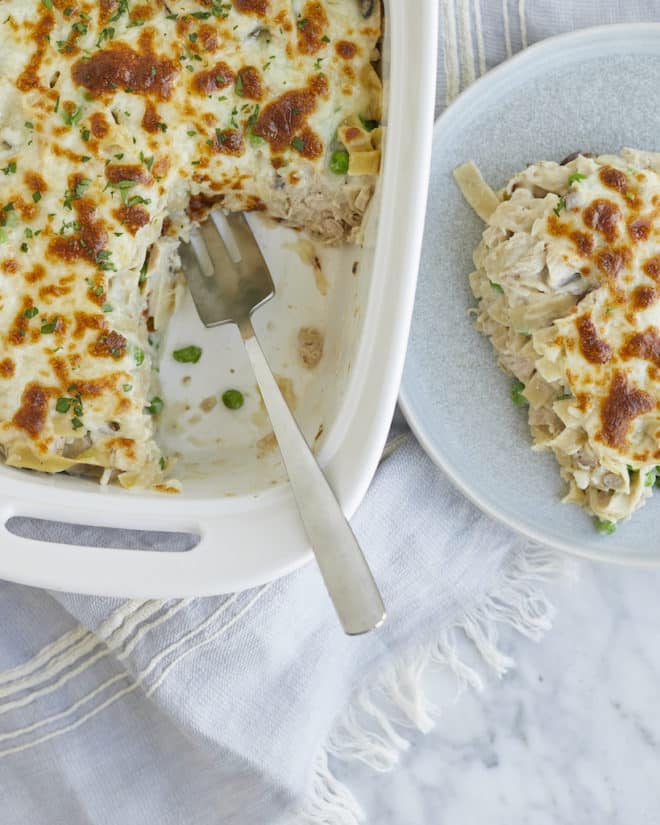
x: 570, y: 737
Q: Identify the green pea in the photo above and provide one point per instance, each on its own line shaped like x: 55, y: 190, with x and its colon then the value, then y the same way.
x: 339, y: 162
x: 233, y: 399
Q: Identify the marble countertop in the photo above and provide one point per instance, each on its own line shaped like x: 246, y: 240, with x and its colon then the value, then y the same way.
x: 570, y: 737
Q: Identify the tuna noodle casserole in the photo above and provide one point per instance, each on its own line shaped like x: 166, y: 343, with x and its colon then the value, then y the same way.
x: 121, y: 124
x: 568, y: 281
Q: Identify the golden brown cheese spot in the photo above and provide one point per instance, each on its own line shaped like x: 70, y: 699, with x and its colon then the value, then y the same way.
x: 99, y: 125
x: 249, y: 80
x: 583, y: 243
x: 35, y: 182
x: 53, y: 291
x: 228, y: 142
x: 310, y: 146
x: 583, y: 401
x: 312, y: 24
x: 88, y: 242
x: 639, y: 229
x: 285, y: 116
x: 199, y: 206
x: 119, y: 172
x: 208, y: 38
x: 151, y: 121
x: 556, y: 227
x: 87, y: 320
x: 346, y: 49
x: 592, y: 346
x: 7, y: 368
x: 218, y: 77
x: 108, y: 345
x: 126, y: 445
x: 611, y: 261
x: 29, y: 77
x: 645, y: 345
x: 622, y: 405
x: 19, y: 329
x: 613, y: 179
x: 37, y: 273
x: 132, y: 217
x: 257, y: 7
x: 10, y: 266
x: 32, y: 414
x: 644, y: 297
x: 602, y: 216
x: 144, y: 11
x: 652, y: 267
x: 120, y: 67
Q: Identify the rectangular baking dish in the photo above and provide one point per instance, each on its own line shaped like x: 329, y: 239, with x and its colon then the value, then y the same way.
x: 235, y: 497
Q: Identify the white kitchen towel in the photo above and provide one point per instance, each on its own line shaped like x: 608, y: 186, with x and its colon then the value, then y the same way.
x: 229, y: 710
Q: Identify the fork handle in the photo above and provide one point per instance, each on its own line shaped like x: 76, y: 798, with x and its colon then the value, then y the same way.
x: 343, y: 566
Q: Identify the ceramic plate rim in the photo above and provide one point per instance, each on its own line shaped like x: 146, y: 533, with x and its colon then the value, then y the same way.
x: 473, y: 95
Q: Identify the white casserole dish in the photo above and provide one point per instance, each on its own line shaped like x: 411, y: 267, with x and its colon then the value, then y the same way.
x: 235, y: 499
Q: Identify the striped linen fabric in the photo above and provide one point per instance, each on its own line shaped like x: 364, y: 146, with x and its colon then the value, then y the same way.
x: 223, y: 711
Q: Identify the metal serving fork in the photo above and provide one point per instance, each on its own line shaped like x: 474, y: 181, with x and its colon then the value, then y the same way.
x: 229, y: 280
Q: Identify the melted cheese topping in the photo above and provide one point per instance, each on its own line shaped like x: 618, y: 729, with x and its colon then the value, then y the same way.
x: 120, y: 122
x: 607, y: 230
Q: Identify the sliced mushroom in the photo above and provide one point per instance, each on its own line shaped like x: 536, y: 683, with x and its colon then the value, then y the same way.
x: 367, y: 8
x: 574, y: 155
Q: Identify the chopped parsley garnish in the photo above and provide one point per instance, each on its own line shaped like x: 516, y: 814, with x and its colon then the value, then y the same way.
x: 103, y: 261
x: 63, y: 404
x: 325, y: 38
x: 85, y: 134
x: 127, y: 387
x: 162, y: 462
x: 73, y: 118
x: 559, y: 207
x: 650, y: 478
x: 576, y: 176
x: 107, y: 307
x: 517, y: 397
x: 302, y: 23
x: 107, y: 34
x: 48, y: 4
x: 49, y: 327
x: 76, y: 423
x: 299, y: 144
x: 10, y: 168
x: 233, y: 399
x: 187, y: 355
x: 148, y: 162
x: 604, y: 526
x: 201, y: 15
x: 122, y: 8
x: 36, y: 197
x: 57, y: 104
x: 155, y: 406
x: 497, y: 287
x: 30, y: 312
x: 138, y: 355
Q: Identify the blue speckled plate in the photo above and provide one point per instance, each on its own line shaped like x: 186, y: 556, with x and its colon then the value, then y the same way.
x: 597, y: 90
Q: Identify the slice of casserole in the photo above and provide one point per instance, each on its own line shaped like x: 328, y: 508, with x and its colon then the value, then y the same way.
x: 567, y: 279
x: 120, y: 124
